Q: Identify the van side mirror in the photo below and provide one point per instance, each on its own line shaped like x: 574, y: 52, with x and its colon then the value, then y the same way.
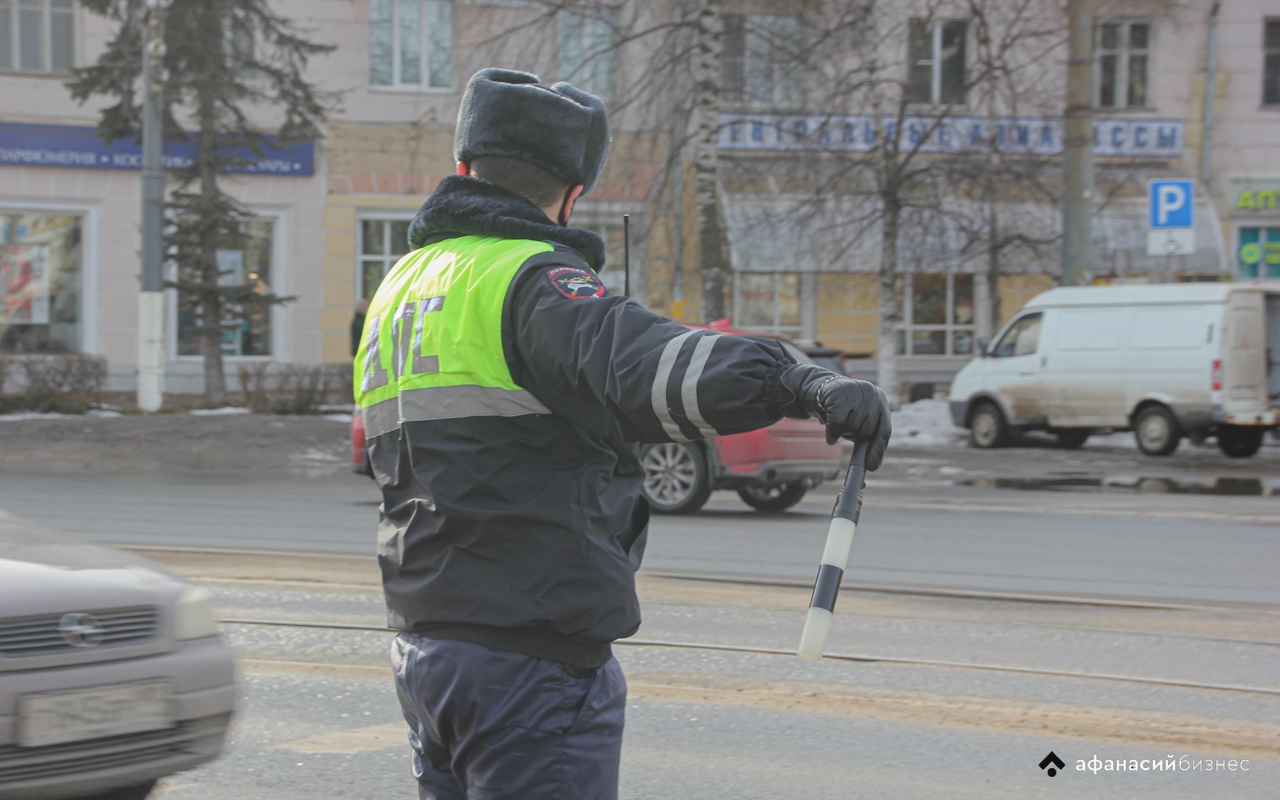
x: 982, y: 347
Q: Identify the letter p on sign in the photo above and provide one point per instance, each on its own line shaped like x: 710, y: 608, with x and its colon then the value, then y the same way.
x: 1171, y: 204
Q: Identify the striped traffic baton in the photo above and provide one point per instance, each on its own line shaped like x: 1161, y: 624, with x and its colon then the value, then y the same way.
x: 844, y: 521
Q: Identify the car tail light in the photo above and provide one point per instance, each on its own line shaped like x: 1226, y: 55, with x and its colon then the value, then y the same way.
x: 1217, y: 375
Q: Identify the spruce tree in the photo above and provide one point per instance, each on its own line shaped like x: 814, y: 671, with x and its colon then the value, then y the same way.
x: 233, y: 78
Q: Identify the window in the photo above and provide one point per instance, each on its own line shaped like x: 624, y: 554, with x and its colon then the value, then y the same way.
x: 588, y: 51
x: 760, y: 61
x: 36, y: 35
x: 39, y: 282
x: 246, y: 326
x: 610, y: 229
x: 411, y: 43
x: 767, y: 301
x: 937, y: 315
x: 936, y: 62
x: 1271, y: 63
x: 1258, y: 254
x: 1020, y: 339
x: 1122, y: 61
x: 382, y: 243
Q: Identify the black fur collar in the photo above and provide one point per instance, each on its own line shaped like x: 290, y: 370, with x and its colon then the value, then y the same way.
x: 465, y: 206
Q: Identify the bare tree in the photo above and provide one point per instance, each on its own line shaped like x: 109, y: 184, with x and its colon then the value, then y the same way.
x: 1017, y: 189
x: 706, y: 115
x: 906, y: 190
x: 839, y: 60
x: 658, y: 68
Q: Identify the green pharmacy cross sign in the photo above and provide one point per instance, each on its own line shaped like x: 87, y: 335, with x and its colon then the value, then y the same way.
x: 1258, y: 254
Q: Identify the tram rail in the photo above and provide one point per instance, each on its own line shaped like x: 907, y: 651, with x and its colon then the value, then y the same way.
x: 848, y: 657
x: 793, y: 583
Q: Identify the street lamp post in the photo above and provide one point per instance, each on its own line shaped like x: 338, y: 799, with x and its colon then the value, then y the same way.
x: 1077, y: 156
x: 151, y: 300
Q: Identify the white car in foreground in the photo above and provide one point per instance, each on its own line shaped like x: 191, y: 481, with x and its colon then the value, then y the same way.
x: 112, y: 672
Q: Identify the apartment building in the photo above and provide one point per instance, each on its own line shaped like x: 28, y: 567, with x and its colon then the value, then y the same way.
x: 804, y: 250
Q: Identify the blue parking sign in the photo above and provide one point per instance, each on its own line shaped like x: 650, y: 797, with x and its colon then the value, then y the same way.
x: 1171, y: 203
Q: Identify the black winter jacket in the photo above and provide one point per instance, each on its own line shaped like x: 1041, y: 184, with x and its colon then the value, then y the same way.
x: 524, y: 533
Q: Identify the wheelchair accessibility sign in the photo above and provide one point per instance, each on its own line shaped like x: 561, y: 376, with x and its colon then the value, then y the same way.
x: 1171, y: 218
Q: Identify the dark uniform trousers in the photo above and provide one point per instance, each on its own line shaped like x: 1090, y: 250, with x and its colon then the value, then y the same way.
x: 488, y: 724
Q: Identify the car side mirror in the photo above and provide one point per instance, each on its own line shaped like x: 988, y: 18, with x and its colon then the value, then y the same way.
x: 982, y: 348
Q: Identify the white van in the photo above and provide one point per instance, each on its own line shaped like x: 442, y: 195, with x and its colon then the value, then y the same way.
x: 1165, y: 361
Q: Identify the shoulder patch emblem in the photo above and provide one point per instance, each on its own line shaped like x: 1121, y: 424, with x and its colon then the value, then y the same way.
x: 575, y: 283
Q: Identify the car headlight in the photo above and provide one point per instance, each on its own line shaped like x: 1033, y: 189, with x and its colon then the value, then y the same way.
x: 193, y: 616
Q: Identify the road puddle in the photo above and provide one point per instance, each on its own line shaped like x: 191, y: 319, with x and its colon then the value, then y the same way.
x: 1227, y: 486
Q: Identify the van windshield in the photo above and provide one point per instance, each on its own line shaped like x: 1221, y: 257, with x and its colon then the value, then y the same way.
x: 1020, y: 339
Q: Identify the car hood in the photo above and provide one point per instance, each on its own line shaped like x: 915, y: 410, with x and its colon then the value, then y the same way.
x: 44, y: 571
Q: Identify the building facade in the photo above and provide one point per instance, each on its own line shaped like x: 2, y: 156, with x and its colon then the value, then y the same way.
x: 799, y: 184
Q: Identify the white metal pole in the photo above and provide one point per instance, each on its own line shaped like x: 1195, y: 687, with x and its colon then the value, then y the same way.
x: 151, y: 300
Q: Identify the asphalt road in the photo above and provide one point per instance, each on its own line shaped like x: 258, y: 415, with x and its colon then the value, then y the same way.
x: 318, y: 715
x: 1171, y: 548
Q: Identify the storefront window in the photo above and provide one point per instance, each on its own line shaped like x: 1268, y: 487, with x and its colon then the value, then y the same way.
x: 1258, y: 255
x: 40, y: 276
x: 246, y: 326
x: 382, y: 243
x: 767, y: 301
x: 937, y: 315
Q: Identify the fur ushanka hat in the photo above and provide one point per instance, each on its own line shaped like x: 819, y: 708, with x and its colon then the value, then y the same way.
x: 560, y: 128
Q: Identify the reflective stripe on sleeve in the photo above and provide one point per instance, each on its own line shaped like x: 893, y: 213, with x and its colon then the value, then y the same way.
x: 658, y: 395
x: 449, y: 402
x: 689, y: 388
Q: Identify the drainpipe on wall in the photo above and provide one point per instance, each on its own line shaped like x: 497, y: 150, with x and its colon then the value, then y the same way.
x: 1210, y: 87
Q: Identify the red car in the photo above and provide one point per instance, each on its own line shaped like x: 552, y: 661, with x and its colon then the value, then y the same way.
x: 771, y: 469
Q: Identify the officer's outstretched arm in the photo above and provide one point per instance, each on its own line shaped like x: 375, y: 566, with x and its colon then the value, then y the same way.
x: 627, y: 374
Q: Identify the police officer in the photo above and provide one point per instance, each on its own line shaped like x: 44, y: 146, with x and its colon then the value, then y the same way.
x: 504, y: 391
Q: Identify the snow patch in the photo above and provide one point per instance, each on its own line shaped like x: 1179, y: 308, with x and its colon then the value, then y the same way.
x: 211, y: 412
x: 925, y: 422
x: 315, y: 455
x: 1114, y: 439
x: 21, y: 415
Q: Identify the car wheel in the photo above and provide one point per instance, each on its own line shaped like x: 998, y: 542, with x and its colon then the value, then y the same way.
x: 1239, y: 442
x: 676, y: 479
x: 137, y: 792
x: 778, y: 497
x: 987, y: 428
x: 1156, y: 431
x: 1071, y: 438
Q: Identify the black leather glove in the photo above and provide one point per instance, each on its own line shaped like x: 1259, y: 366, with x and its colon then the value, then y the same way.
x: 848, y: 408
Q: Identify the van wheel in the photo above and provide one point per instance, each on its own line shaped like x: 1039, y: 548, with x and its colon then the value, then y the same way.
x: 987, y: 428
x: 778, y: 497
x: 676, y: 479
x: 1156, y: 431
x: 1071, y: 438
x: 1239, y: 442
